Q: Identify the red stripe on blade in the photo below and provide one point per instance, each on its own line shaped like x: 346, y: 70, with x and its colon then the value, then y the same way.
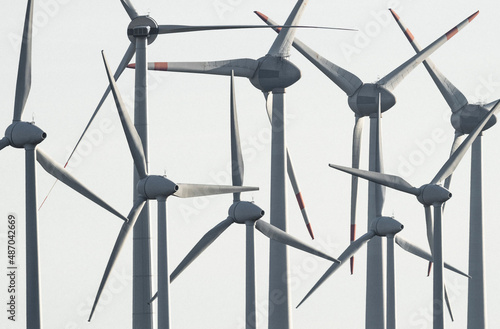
x: 161, y: 66
x: 309, y: 228
x: 261, y: 15
x: 409, y: 35
x: 300, y: 201
x: 451, y: 33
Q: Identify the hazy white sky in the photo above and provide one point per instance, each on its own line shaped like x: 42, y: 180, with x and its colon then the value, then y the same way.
x: 189, y: 140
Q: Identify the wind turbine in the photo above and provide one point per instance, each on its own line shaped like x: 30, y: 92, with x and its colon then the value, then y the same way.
x: 463, y: 118
x: 388, y: 227
x: 152, y: 187
x: 243, y: 212
x: 431, y: 194
x: 363, y: 99
x: 270, y: 73
x: 22, y: 134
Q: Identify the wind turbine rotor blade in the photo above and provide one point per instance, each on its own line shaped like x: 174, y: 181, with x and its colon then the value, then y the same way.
x: 4, y: 142
x: 449, y: 167
x: 391, y: 181
x: 276, y: 234
x: 244, y: 67
x: 132, y: 13
x: 122, y: 236
x: 289, y: 167
x: 195, y: 190
x: 123, y: 64
x: 350, y: 251
x: 391, y: 80
x: 282, y: 44
x: 419, y: 252
x: 298, y: 194
x: 64, y: 176
x: 459, y: 138
x: 23, y: 84
x: 448, y: 304
x: 170, y: 29
x: 203, y: 244
x: 237, y: 166
x: 346, y: 81
x: 451, y: 94
x: 356, y: 147
x: 133, y: 139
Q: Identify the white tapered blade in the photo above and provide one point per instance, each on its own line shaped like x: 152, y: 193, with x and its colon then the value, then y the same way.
x: 203, y: 244
x: 391, y: 80
x: 122, y: 236
x: 356, y: 147
x: 132, y: 13
x: 290, y: 171
x: 391, y: 181
x: 123, y: 64
x: 449, y: 167
x: 23, y: 84
x: 195, y: 190
x: 448, y: 304
x: 64, y: 176
x: 170, y: 29
x: 282, y: 44
x: 4, y: 142
x: 237, y: 166
x: 244, y: 67
x: 276, y: 234
x: 419, y: 252
x: 458, y: 139
x: 133, y: 139
x: 351, y: 250
x: 451, y: 94
x: 346, y: 81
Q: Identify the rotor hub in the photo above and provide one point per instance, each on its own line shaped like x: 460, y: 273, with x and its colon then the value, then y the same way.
x: 142, y: 26
x: 275, y: 73
x: 383, y: 226
x: 364, y: 102
x: 21, y: 134
x: 432, y: 194
x: 154, y: 186
x: 244, y: 211
x: 469, y: 116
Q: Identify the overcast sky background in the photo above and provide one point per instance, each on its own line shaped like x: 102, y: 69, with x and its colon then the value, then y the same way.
x: 189, y: 141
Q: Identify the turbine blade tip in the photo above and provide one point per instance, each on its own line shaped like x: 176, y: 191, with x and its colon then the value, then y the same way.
x: 471, y: 17
x: 309, y: 228
x: 261, y: 15
x: 131, y: 66
x: 396, y: 16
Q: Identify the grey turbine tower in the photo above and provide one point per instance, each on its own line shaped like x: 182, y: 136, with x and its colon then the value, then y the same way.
x: 432, y: 194
x: 464, y: 118
x: 363, y: 99
x: 243, y: 212
x: 151, y: 187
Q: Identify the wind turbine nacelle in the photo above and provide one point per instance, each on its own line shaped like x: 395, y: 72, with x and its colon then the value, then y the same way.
x: 275, y: 73
x: 153, y: 187
x: 244, y: 211
x: 364, y: 102
x: 22, y: 133
x: 432, y: 193
x: 384, y: 226
x: 469, y: 116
